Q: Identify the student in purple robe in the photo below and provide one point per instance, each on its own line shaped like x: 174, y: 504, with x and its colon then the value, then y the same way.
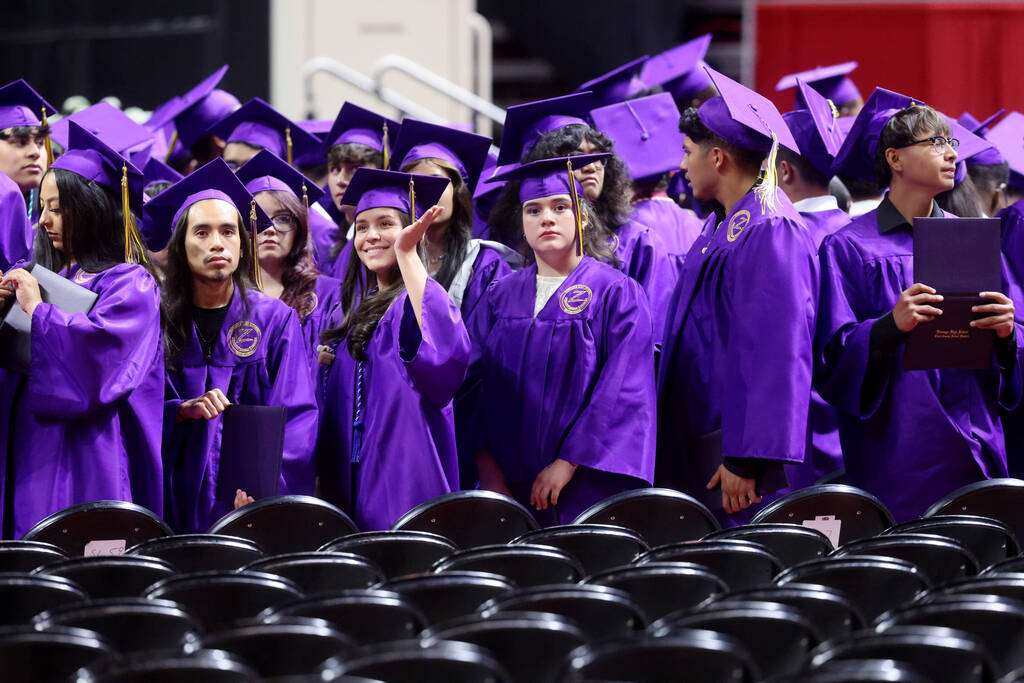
x: 24, y: 146
x: 287, y: 271
x: 831, y: 82
x: 313, y: 164
x: 85, y: 423
x: 225, y: 343
x: 647, y: 138
x: 734, y: 382
x: 680, y: 72
x: 909, y: 436
x: 560, y: 397
x: 387, y: 441
x: 257, y: 126
x: 988, y: 170
x: 464, y: 266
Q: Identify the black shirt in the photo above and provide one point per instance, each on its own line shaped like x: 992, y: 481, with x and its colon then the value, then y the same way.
x: 208, y: 322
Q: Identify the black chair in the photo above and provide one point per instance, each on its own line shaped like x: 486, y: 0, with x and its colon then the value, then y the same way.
x: 74, y: 528
x: 441, y: 597
x: 190, y: 553
x: 996, y: 621
x: 741, y: 564
x: 526, y: 565
x: 365, y: 616
x: 397, y: 553
x: 48, y: 656
x: 470, y: 518
x: 598, y: 610
x: 872, y: 584
x: 988, y: 539
x: 1012, y: 565
x: 208, y: 666
x: 791, y: 543
x: 530, y: 646
x: 827, y: 609
x: 997, y: 584
x: 693, y: 655
x: 129, y: 624
x: 286, y: 524
x: 660, y: 588
x: 280, y: 649
x: 1001, y: 499
x: 860, y: 671
x: 321, y: 572
x: 597, y: 546
x: 23, y: 596
x: 660, y: 516
x: 777, y: 636
x: 860, y: 514
x: 24, y: 556
x: 940, y: 654
x: 111, y: 576
x: 408, y: 661
x: 216, y: 599
x: 941, y: 559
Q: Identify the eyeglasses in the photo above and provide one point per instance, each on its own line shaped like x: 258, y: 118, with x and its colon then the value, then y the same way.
x: 938, y: 143
x: 284, y: 222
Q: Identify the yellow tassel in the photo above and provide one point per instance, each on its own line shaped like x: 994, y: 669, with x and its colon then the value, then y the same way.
x: 386, y: 151
x: 256, y: 278
x: 766, y: 191
x: 305, y: 200
x: 132, y: 245
x: 412, y: 199
x: 288, y: 144
x: 575, y: 204
x: 832, y: 106
x: 170, y: 146
x: 49, y: 143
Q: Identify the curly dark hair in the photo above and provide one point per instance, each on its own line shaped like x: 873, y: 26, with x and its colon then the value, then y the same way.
x: 300, y: 273
x: 460, y: 226
x: 902, y: 128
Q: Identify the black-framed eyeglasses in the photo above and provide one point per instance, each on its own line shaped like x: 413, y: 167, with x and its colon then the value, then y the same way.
x: 284, y: 222
x: 938, y: 143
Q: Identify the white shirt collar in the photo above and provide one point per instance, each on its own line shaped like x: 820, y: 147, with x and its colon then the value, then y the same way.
x: 816, y: 204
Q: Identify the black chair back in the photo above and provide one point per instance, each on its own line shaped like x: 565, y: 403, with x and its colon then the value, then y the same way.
x: 859, y: 513
x: 470, y: 518
x: 216, y: 599
x: 597, y: 546
x: 321, y: 572
x: 102, y: 527
x: 442, y: 597
x: 1001, y: 499
x: 660, y: 516
x: 189, y: 553
x: 941, y: 559
x: 129, y: 624
x: 365, y: 616
x: 286, y: 524
x: 988, y: 539
x: 791, y: 543
x: 741, y: 564
x: 660, y: 588
x: 111, y: 576
x: 526, y: 565
x: 397, y: 553
x: 599, y: 611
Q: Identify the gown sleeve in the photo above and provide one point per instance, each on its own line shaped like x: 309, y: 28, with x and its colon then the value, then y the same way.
x: 436, y: 356
x: 650, y: 265
x: 15, y: 230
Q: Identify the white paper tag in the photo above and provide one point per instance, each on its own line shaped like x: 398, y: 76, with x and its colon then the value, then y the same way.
x: 828, y: 525
x: 96, y: 548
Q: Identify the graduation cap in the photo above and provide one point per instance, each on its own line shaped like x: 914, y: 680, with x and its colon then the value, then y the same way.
x: 198, y: 109
x: 857, y: 155
x: 215, y: 180
x: 258, y: 124
x: 156, y: 171
x: 550, y: 177
x: 419, y: 140
x: 94, y: 160
x: 816, y: 129
x: 680, y: 70
x: 971, y: 145
x: 267, y: 171
x: 1007, y: 136
x: 374, y: 188
x: 318, y: 128
x: 486, y: 184
x: 526, y: 123
x: 617, y: 85
x: 990, y: 156
x: 646, y: 133
x: 748, y: 120
x: 108, y: 123
x: 360, y: 126
x: 19, y: 103
x: 831, y: 81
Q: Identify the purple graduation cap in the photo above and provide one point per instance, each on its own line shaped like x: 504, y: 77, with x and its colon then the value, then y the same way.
x: 985, y: 157
x: 267, y: 171
x: 617, y: 85
x: 486, y: 184
x: 857, y: 155
x: 318, y: 128
x: 94, y: 160
x: 418, y: 140
x: 258, y: 124
x: 526, y: 123
x: 816, y: 129
x: 373, y: 188
x: 19, y: 104
x: 198, y: 109
x: 215, y: 180
x: 646, y: 134
x: 1007, y: 136
x: 156, y: 171
x: 680, y: 70
x: 832, y: 82
x: 108, y: 123
x: 360, y: 126
x: 971, y: 145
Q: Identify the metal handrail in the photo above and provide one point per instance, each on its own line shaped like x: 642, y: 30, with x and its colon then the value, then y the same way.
x: 436, y: 82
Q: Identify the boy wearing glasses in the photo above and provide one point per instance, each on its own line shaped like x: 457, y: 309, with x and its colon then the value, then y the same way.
x: 909, y: 437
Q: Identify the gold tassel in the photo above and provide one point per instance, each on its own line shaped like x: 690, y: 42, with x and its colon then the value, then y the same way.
x: 305, y: 200
x: 386, y: 151
x: 766, y: 191
x: 132, y: 244
x: 832, y: 105
x: 412, y: 199
x: 255, y: 252
x: 170, y: 147
x: 49, y: 143
x: 288, y: 144
x: 575, y: 204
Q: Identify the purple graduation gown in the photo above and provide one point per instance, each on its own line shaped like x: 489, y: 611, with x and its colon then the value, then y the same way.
x: 85, y: 424
x: 643, y: 256
x: 323, y: 231
x: 576, y: 382
x: 736, y: 363
x: 317, y: 314
x: 406, y: 451
x: 260, y: 359
x: 908, y: 437
x: 677, y: 227
x: 1013, y: 253
x: 15, y: 228
x: 488, y: 266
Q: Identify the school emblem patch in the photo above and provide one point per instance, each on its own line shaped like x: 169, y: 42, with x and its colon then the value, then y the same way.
x: 737, y: 224
x: 309, y: 306
x: 243, y: 338
x: 81, y: 277
x: 575, y: 299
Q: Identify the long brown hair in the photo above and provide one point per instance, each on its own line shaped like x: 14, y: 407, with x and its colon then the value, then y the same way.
x: 300, y: 273
x: 460, y: 226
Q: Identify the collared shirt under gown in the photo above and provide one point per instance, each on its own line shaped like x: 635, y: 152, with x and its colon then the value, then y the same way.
x: 259, y: 359
x: 85, y: 424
